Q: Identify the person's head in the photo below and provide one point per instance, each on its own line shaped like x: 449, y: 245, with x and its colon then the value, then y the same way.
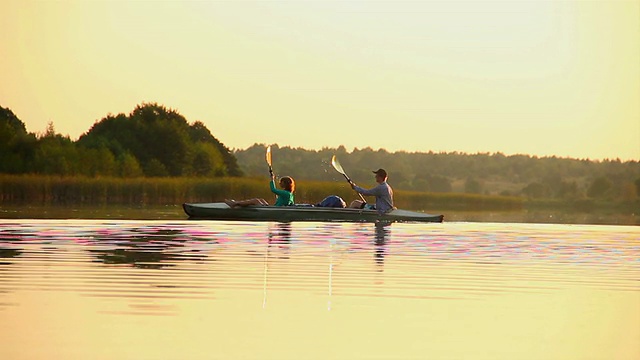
x: 287, y: 183
x: 381, y: 175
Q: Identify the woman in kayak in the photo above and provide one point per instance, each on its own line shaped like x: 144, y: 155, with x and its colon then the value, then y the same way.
x: 285, y: 195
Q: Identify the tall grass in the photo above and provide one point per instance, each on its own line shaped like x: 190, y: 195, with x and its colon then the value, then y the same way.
x: 44, y: 190
x: 313, y: 192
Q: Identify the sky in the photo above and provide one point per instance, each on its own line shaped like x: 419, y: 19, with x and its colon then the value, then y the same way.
x: 519, y: 77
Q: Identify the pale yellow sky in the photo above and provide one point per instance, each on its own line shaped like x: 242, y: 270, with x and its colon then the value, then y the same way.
x: 534, y: 77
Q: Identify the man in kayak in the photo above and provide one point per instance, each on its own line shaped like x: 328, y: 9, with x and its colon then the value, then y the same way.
x: 285, y: 195
x: 382, y: 192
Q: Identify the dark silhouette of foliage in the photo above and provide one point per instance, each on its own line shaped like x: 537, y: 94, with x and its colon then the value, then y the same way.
x: 163, y: 143
x: 155, y: 141
x: 515, y: 175
x: 536, y: 190
x: 10, y: 124
x: 600, y: 187
x: 16, y: 146
x: 152, y: 140
x: 472, y: 186
x: 200, y: 134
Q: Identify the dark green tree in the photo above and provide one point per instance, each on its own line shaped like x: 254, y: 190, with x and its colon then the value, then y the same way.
x: 16, y: 145
x: 55, y: 154
x: 129, y: 166
x: 568, y: 190
x: 472, y: 186
x: 199, y: 133
x: 439, y: 183
x: 162, y: 143
x: 155, y: 168
x: 535, y: 190
x: 208, y: 160
x: 600, y: 187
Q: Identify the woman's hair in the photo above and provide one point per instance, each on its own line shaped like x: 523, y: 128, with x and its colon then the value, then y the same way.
x: 288, y: 183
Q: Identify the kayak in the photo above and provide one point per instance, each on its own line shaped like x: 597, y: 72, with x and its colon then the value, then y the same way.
x: 222, y: 211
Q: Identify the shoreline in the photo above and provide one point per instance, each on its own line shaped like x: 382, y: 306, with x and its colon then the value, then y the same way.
x: 121, y: 194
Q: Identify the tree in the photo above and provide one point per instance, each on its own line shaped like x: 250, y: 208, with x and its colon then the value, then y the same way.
x: 599, y: 187
x: 155, y: 135
x: 16, y: 146
x: 158, y: 141
x: 50, y: 131
x: 208, y: 161
x: 535, y: 190
x: 155, y: 168
x: 442, y: 184
x: 628, y: 191
x: 472, y: 186
x: 568, y: 190
x: 163, y: 134
x: 129, y: 166
x: 55, y: 154
x: 199, y: 133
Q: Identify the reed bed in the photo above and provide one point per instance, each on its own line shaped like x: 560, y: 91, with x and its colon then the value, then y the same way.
x: 54, y: 190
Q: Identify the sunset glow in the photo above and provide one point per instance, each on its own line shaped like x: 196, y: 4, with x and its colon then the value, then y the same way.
x: 533, y: 77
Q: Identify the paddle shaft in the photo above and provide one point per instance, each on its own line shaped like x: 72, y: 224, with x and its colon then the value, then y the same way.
x: 268, y: 158
x: 336, y: 165
x: 351, y: 183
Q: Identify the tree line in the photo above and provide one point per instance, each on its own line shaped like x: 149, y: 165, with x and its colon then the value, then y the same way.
x: 482, y: 173
x: 151, y: 141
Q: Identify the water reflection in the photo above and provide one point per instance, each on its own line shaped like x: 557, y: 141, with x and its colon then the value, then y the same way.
x: 279, y: 239
x: 9, y: 246
x: 145, y: 247
x: 8, y: 254
x: 281, y: 234
x: 133, y: 256
x: 143, y: 286
x: 382, y: 234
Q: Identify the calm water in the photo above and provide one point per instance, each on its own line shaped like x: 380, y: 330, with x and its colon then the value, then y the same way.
x: 173, y: 289
x: 175, y: 212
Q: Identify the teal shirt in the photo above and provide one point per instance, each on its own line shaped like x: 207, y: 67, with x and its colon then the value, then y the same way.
x: 285, y: 198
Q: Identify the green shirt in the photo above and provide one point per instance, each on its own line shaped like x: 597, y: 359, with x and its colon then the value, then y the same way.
x: 285, y: 198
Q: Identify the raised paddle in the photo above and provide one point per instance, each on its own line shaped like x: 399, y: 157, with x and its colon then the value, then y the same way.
x: 269, y: 160
x: 338, y: 167
x: 268, y: 157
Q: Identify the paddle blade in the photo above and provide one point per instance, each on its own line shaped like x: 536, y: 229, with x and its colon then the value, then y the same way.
x: 269, y: 155
x: 336, y: 165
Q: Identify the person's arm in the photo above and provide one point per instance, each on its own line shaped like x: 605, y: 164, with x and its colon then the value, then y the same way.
x: 276, y: 191
x: 374, y: 191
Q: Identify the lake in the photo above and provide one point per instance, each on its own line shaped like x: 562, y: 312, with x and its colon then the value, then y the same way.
x: 179, y: 289
x: 175, y: 212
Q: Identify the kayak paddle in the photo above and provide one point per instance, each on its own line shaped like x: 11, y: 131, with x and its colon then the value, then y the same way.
x: 269, y: 160
x: 338, y: 167
x: 268, y: 157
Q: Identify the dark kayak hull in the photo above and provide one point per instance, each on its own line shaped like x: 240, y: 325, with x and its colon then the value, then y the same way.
x: 220, y: 211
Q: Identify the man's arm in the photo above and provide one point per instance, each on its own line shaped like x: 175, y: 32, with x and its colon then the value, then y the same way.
x: 374, y: 191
